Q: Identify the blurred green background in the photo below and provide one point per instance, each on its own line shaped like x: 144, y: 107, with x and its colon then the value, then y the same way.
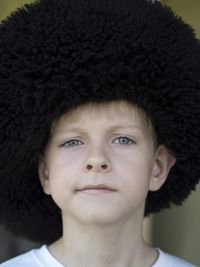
x: 7, y: 6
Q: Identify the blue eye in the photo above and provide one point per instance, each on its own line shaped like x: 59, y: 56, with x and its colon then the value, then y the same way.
x: 123, y: 140
x: 72, y: 143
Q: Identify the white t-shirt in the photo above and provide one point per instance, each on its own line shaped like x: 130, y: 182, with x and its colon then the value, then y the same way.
x: 43, y: 258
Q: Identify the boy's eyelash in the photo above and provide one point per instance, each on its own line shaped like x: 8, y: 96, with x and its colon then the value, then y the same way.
x: 126, y: 141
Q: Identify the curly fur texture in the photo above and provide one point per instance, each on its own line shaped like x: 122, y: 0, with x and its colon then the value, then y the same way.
x: 57, y: 54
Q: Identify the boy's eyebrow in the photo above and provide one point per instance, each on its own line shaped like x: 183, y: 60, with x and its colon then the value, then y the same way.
x: 116, y: 127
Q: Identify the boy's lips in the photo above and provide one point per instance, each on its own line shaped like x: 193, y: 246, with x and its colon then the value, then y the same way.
x: 96, y: 189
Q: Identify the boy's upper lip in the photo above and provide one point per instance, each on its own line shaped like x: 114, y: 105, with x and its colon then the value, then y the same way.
x: 96, y: 186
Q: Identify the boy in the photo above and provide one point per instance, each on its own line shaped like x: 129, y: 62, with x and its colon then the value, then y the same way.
x: 100, y: 121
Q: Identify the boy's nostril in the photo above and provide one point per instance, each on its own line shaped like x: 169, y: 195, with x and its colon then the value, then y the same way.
x: 104, y: 166
x: 89, y: 167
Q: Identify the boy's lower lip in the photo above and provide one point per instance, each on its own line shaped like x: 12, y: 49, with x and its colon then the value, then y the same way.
x: 95, y: 192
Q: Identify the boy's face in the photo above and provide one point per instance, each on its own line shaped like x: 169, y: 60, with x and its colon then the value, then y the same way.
x: 100, y: 164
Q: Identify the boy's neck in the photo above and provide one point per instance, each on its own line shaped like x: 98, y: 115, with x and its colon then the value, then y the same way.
x: 114, y: 246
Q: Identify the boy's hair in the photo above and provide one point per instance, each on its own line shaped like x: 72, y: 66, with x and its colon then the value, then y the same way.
x: 59, y: 54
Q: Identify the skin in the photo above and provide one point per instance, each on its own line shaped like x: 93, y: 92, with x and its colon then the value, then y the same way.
x: 110, y: 146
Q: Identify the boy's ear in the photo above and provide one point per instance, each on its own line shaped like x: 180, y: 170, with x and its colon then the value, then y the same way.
x: 164, y: 161
x: 43, y: 175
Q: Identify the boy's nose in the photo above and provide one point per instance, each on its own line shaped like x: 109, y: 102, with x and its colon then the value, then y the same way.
x: 97, y: 162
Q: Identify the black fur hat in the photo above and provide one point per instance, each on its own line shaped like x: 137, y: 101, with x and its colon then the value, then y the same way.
x: 57, y: 54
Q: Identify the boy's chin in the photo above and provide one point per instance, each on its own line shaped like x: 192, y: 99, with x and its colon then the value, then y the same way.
x: 100, y: 218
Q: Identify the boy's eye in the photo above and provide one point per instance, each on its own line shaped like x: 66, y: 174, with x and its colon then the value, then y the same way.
x: 73, y: 142
x: 123, y: 140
